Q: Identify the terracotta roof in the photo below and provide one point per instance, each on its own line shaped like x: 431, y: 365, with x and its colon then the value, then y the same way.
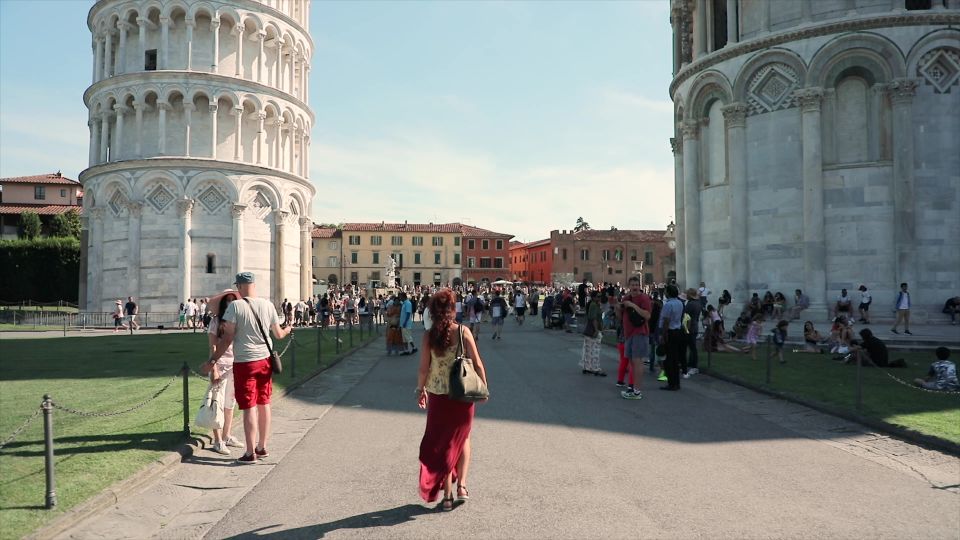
x: 477, y: 232
x: 41, y: 209
x: 621, y: 236
x: 325, y: 232
x: 538, y: 243
x: 402, y: 227
x: 52, y: 178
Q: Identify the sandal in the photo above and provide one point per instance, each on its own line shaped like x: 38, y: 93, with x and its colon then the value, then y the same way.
x: 466, y: 493
x: 447, y: 504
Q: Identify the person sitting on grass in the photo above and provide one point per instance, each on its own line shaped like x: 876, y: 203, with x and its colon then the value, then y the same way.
x: 811, y: 339
x: 942, y: 375
x: 717, y: 343
x: 875, y: 351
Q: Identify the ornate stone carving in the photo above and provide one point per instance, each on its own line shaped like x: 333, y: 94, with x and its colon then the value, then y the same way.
x: 676, y: 145
x: 212, y: 199
x: 281, y: 217
x: 97, y: 213
x: 810, y: 98
x: 940, y: 68
x: 258, y: 203
x: 237, y: 210
x: 735, y: 115
x: 690, y: 130
x: 184, y: 207
x: 902, y: 90
x: 306, y: 224
x: 118, y: 202
x: 160, y: 198
x: 135, y: 208
x: 771, y: 88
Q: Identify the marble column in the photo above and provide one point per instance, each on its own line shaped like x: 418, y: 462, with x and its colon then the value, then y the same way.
x: 278, y: 144
x: 188, y: 109
x: 95, y: 260
x: 163, y: 107
x: 134, y: 211
x: 185, y: 261
x: 261, y: 61
x: 138, y: 148
x: 279, y: 237
x: 164, y: 55
x: 304, y: 153
x: 142, y: 38
x: 237, y: 212
x: 733, y: 29
x: 122, y: 53
x: 765, y: 17
x: 814, y: 245
x: 279, y: 80
x: 108, y: 55
x: 708, y: 27
x: 261, y: 137
x: 306, y: 269
x: 902, y: 92
x: 94, y: 126
x: 104, y: 136
x: 238, y: 30
x: 691, y: 203
x: 213, y: 130
x: 676, y: 144
x: 700, y: 27
x: 735, y: 121
x: 306, y: 82
x: 117, y: 152
x: 191, y: 23
x: 237, y: 134
x: 97, y: 58
x: 84, y: 265
x: 215, y: 29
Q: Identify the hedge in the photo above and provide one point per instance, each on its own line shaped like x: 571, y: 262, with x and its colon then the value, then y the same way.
x: 43, y: 270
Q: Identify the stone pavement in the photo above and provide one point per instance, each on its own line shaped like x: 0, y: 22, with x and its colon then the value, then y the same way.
x: 557, y: 454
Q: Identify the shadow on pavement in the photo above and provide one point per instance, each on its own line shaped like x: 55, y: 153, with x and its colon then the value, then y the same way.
x: 381, y: 518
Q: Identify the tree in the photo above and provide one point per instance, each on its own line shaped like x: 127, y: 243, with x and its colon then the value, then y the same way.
x: 29, y: 225
x: 66, y: 225
x: 581, y: 225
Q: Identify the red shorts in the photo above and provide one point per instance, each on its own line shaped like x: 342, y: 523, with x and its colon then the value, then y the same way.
x: 252, y: 383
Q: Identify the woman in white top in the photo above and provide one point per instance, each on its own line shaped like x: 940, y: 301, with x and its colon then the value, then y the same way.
x: 222, y: 374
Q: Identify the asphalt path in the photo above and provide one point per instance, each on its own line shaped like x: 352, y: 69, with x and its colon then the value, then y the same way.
x: 558, y: 454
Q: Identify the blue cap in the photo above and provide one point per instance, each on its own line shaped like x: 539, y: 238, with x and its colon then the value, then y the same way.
x: 244, y: 277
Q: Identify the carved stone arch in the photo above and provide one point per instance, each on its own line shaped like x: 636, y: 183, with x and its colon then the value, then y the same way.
x: 768, y: 80
x: 158, y: 190
x: 231, y: 14
x: 146, y: 91
x: 261, y: 197
x: 277, y: 32
x: 252, y: 99
x: 168, y: 10
x: 169, y: 90
x: 150, y: 7
x: 197, y: 183
x: 114, y: 192
x: 212, y: 191
x: 197, y: 91
x: 296, y: 203
x: 935, y: 60
x: 202, y: 8
x: 710, y: 86
x: 867, y: 51
x: 254, y: 18
x: 272, y: 106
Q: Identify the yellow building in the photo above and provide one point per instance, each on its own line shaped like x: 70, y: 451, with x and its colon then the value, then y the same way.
x: 359, y: 253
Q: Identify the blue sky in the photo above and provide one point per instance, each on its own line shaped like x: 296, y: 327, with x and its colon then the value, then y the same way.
x: 512, y: 116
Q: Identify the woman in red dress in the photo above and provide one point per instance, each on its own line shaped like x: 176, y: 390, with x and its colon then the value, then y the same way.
x: 445, y: 448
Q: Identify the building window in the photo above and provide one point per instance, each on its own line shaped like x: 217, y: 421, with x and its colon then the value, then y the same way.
x: 313, y: 261
x: 648, y: 258
x: 39, y: 192
x: 471, y: 261
x: 396, y: 240
x: 375, y: 276
x: 417, y: 241
x: 332, y: 261
x: 376, y: 240
x: 648, y: 278
x: 471, y: 244
x: 456, y: 258
x: 150, y: 60
x: 437, y: 240
x: 485, y: 262
x: 605, y: 256
x: 416, y: 258
x: 211, y: 263
x: 354, y: 278
x: 376, y: 257
x: 354, y: 240
x: 398, y: 257
x: 499, y: 244
x: 436, y: 258
x: 484, y: 244
x: 332, y: 245
x: 354, y: 257
x: 584, y: 254
x: 564, y: 257
x: 543, y: 256
x: 618, y: 254
x: 913, y: 5
x: 416, y: 278
x: 436, y: 278
x: 456, y: 241
x: 498, y: 262
x: 719, y: 24
x: 63, y: 193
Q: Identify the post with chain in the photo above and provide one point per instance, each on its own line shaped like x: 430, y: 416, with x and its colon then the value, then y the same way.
x: 351, y: 333
x: 186, y: 399
x: 65, y: 315
x: 293, y: 358
x: 767, y: 353
x: 709, y: 348
x: 337, y: 336
x: 47, y: 406
x: 319, y: 344
x: 859, y: 379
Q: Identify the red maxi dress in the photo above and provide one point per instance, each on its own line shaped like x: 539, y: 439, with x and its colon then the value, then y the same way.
x: 448, y: 428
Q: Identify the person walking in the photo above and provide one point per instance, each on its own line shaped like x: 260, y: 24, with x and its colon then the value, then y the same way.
x: 406, y: 323
x: 634, y: 310
x: 671, y: 319
x: 245, y: 325
x: 222, y: 373
x: 865, y: 300
x: 590, y: 358
x: 498, y: 313
x: 520, y: 306
x: 694, y: 308
x: 903, y: 310
x: 445, y: 446
x: 118, y: 317
x: 131, y: 309
x: 534, y: 300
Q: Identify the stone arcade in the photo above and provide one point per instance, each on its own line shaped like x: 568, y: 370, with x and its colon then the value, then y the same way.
x: 817, y: 146
x: 199, y: 145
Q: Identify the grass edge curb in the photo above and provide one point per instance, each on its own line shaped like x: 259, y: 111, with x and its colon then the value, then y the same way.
x: 113, y: 493
x: 908, y: 435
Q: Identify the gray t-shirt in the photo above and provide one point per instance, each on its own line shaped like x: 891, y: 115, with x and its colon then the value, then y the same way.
x: 248, y: 344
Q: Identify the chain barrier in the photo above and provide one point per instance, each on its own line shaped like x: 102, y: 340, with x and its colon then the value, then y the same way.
x: 117, y: 413
x: 22, y: 427
x: 866, y: 359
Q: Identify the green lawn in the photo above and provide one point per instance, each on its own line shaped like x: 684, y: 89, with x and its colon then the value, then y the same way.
x: 104, y: 374
x: 819, y: 378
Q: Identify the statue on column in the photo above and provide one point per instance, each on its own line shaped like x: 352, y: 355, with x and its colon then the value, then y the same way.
x: 391, y: 272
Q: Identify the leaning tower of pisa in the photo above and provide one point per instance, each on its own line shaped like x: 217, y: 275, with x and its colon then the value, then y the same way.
x: 199, y: 150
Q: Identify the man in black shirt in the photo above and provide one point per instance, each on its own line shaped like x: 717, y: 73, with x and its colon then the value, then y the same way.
x: 693, y: 308
x: 876, y: 351
x: 130, y: 309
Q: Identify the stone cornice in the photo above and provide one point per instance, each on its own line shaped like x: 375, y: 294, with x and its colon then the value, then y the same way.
x: 203, y: 164
x: 864, y: 22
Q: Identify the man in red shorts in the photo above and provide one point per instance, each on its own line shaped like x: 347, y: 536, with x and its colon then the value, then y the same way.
x: 252, y: 375
x: 634, y: 310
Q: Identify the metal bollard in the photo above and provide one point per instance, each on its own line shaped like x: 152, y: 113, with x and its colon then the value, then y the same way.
x: 859, y: 380
x: 351, y: 333
x: 338, y: 338
x: 47, y: 406
x: 185, y: 370
x: 769, y: 339
x: 293, y: 359
x: 319, y: 344
x: 709, y: 357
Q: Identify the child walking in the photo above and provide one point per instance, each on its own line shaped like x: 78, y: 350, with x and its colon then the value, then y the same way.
x: 779, y: 338
x: 753, y: 335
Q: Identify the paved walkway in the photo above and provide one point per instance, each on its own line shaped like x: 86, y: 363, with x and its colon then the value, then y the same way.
x: 557, y: 454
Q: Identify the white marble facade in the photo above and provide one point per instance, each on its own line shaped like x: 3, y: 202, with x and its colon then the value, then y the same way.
x: 817, y: 147
x: 198, y: 167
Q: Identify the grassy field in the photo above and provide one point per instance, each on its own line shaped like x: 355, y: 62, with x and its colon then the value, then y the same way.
x: 105, y: 374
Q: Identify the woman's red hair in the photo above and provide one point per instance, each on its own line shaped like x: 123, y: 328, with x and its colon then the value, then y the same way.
x: 442, y: 311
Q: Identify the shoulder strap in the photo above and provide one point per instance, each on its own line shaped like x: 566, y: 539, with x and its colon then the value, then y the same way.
x: 460, y: 348
x: 260, y: 326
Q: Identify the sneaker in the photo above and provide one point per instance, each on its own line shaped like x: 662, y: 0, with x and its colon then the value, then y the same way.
x: 894, y: 331
x: 686, y: 375
x: 234, y: 442
x: 220, y: 448
x: 908, y: 332
x: 662, y: 377
x: 621, y: 384
x: 693, y: 371
x: 247, y: 459
x: 261, y: 453
x: 631, y: 394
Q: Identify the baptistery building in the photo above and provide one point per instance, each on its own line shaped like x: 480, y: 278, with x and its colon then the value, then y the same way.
x: 817, y: 147
x: 199, y: 147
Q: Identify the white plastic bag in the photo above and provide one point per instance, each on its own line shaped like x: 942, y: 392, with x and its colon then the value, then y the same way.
x: 210, y: 415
